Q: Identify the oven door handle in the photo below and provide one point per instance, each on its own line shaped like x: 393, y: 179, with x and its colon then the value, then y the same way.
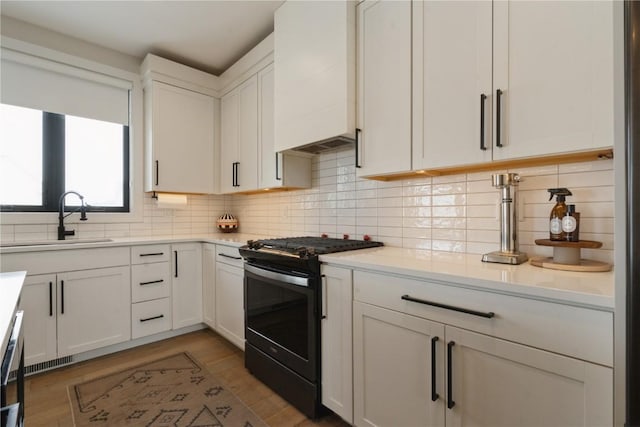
x: 280, y: 277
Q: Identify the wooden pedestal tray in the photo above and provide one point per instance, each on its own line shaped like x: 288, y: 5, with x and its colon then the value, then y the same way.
x: 566, y: 256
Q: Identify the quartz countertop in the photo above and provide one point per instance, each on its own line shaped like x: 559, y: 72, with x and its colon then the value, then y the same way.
x: 231, y: 239
x: 595, y: 290
x: 10, y: 290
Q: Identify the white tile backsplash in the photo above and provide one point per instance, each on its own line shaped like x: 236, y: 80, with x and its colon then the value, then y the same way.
x: 454, y: 213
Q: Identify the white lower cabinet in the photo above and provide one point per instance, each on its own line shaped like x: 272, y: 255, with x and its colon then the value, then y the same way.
x: 337, y: 341
x: 500, y: 383
x: 229, y: 304
x: 186, y: 284
x: 410, y: 370
x: 73, y: 312
x: 209, y: 284
x: 150, y: 317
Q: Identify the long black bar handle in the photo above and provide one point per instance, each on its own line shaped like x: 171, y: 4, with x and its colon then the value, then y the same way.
x: 153, y: 254
x: 230, y: 256
x: 450, y: 402
x: 62, y: 297
x: 237, y: 174
x: 157, y: 172
x: 434, y: 391
x: 151, y: 282
x: 498, y: 115
x: 50, y: 299
x: 278, y: 177
x: 175, y: 257
x: 483, y: 99
x: 358, y: 165
x: 487, y: 315
x: 233, y: 174
x: 152, y: 318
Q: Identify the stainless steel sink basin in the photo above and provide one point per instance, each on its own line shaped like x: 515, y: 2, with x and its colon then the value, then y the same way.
x: 52, y: 242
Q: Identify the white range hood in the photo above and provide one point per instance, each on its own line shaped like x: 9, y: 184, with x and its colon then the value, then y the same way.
x: 315, y: 75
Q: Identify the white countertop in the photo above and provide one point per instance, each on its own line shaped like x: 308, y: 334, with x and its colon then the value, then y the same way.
x: 577, y: 288
x: 231, y: 239
x: 10, y: 289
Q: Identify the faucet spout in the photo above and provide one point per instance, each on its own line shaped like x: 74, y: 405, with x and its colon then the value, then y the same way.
x: 62, y: 232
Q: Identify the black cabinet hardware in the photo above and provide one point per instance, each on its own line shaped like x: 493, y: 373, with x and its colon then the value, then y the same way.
x: 231, y: 256
x: 175, y: 257
x: 483, y: 99
x: 153, y: 254
x: 51, y: 299
x: 234, y: 173
x: 62, y: 297
x: 358, y: 165
x: 152, y: 318
x: 278, y: 169
x: 157, y: 171
x: 151, y: 282
x: 323, y: 312
x: 434, y: 392
x: 450, y: 402
x: 488, y: 315
x: 498, y: 114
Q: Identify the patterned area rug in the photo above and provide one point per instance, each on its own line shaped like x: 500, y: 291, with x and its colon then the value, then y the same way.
x: 174, y: 391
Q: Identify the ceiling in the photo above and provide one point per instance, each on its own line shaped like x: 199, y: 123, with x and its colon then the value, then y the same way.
x: 207, y: 35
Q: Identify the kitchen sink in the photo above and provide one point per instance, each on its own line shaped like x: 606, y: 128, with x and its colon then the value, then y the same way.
x: 52, y: 242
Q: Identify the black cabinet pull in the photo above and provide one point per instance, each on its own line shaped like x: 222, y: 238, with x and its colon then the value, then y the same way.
x: 151, y: 282
x: 153, y: 254
x: 483, y: 99
x: 498, y: 114
x: 152, y: 318
x: 278, y: 177
x: 237, y: 174
x: 488, y: 315
x: 50, y: 299
x: 62, y: 297
x: 434, y: 392
x: 233, y: 174
x: 358, y: 165
x: 231, y: 256
x: 175, y: 257
x: 157, y: 171
x: 450, y: 402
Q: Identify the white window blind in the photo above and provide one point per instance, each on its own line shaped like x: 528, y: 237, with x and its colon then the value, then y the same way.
x: 33, y: 82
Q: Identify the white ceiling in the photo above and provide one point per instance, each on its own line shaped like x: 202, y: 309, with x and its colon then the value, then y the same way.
x: 208, y: 35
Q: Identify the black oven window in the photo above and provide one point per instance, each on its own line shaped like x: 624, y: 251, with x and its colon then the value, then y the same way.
x: 280, y: 315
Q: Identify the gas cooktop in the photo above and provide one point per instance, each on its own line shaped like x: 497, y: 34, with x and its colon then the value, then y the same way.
x: 311, y: 245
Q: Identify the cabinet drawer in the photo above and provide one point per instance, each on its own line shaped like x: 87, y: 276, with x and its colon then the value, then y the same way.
x: 64, y: 260
x: 229, y: 255
x: 150, y: 281
x: 150, y: 317
x: 150, y: 253
x: 574, y: 331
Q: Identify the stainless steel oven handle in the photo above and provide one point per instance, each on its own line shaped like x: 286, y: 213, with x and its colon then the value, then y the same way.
x: 280, y: 277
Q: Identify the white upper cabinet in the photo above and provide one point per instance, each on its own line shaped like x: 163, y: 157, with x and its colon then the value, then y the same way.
x: 276, y: 170
x: 554, y: 63
x: 314, y: 72
x: 452, y: 75
x: 179, y: 139
x: 239, y: 151
x: 511, y: 79
x: 384, y: 87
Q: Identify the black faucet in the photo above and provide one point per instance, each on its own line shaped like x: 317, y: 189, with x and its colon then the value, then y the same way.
x: 61, y: 216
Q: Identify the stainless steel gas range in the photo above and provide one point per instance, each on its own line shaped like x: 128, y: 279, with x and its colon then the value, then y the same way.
x: 282, y: 299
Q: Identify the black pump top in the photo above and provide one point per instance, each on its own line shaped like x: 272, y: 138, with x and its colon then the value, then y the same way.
x: 560, y: 193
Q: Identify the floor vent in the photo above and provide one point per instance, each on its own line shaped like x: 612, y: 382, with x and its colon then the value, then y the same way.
x: 44, y: 366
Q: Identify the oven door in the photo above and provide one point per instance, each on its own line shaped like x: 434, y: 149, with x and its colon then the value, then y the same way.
x: 281, y: 317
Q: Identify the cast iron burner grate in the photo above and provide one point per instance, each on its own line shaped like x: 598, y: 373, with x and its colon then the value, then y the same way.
x: 321, y: 245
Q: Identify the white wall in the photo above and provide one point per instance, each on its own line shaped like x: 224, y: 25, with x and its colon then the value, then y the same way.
x: 456, y: 213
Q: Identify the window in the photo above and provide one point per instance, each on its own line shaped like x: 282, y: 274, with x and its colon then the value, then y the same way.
x: 44, y: 154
